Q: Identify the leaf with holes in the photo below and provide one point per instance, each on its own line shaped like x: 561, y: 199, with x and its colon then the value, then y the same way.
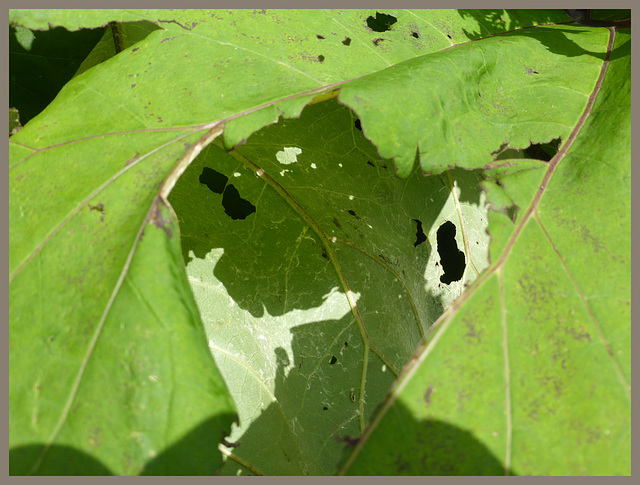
x: 318, y: 272
x: 529, y: 371
x: 312, y: 270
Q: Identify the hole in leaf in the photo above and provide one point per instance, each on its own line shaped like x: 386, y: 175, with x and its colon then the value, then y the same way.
x: 213, y: 179
x: 347, y: 41
x: 377, y: 41
x: 452, y: 259
x: 320, y: 36
x: 358, y: 125
x: 415, y: 34
x: 346, y: 344
x: 420, y: 235
x: 333, y: 360
x: 369, y: 162
x: 543, y: 151
x: 321, y: 58
x: 235, y: 206
x: 352, y: 213
x: 535, y: 151
x: 324, y: 408
x: 449, y: 36
x: 381, y: 23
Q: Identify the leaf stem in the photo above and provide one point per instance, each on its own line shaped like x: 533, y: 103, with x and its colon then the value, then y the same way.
x: 239, y: 460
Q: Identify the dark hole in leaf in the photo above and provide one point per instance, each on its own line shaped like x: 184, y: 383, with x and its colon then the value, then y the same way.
x: 377, y: 41
x: 449, y: 36
x: 324, y: 408
x: 543, y: 151
x: 347, y: 41
x: 333, y: 360
x: 369, y: 162
x: 415, y: 34
x: 320, y: 36
x: 353, y: 213
x: 452, y: 259
x: 420, y: 235
x: 235, y: 206
x: 213, y: 179
x: 381, y: 23
x: 321, y: 58
x: 346, y: 344
x: 358, y: 125
x: 535, y: 151
x: 324, y: 254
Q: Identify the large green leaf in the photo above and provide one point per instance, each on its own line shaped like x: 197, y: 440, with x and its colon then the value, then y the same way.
x: 109, y: 366
x: 318, y: 293
x: 530, y: 369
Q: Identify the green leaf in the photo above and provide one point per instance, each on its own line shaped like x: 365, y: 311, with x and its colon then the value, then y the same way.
x: 316, y: 290
x: 530, y: 368
x: 120, y: 364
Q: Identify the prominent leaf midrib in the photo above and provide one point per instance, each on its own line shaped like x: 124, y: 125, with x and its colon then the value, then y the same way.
x: 85, y: 201
x: 92, y: 343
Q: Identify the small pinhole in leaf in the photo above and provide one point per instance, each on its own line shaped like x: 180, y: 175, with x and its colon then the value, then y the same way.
x: 449, y: 36
x: 320, y: 36
x: 377, y: 41
x: 321, y: 58
x: 358, y: 125
x: 452, y: 259
x: 420, y: 235
x: 346, y: 344
x: 346, y: 41
x: 369, y: 162
x: 352, y: 213
x: 333, y: 360
x: 235, y: 206
x: 381, y: 23
x: 415, y: 34
x: 324, y: 408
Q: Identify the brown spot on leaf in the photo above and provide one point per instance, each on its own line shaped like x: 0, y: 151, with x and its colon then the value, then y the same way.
x: 157, y: 219
x: 427, y: 394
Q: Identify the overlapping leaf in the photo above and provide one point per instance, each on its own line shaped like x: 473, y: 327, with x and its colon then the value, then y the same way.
x: 305, y: 362
x: 529, y: 372
x: 109, y: 364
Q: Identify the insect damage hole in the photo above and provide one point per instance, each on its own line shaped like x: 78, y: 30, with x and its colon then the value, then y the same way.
x: 346, y: 41
x: 381, y: 23
x: 420, y: 235
x: 333, y: 360
x: 451, y: 258
x: 234, y: 206
x: 320, y: 58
